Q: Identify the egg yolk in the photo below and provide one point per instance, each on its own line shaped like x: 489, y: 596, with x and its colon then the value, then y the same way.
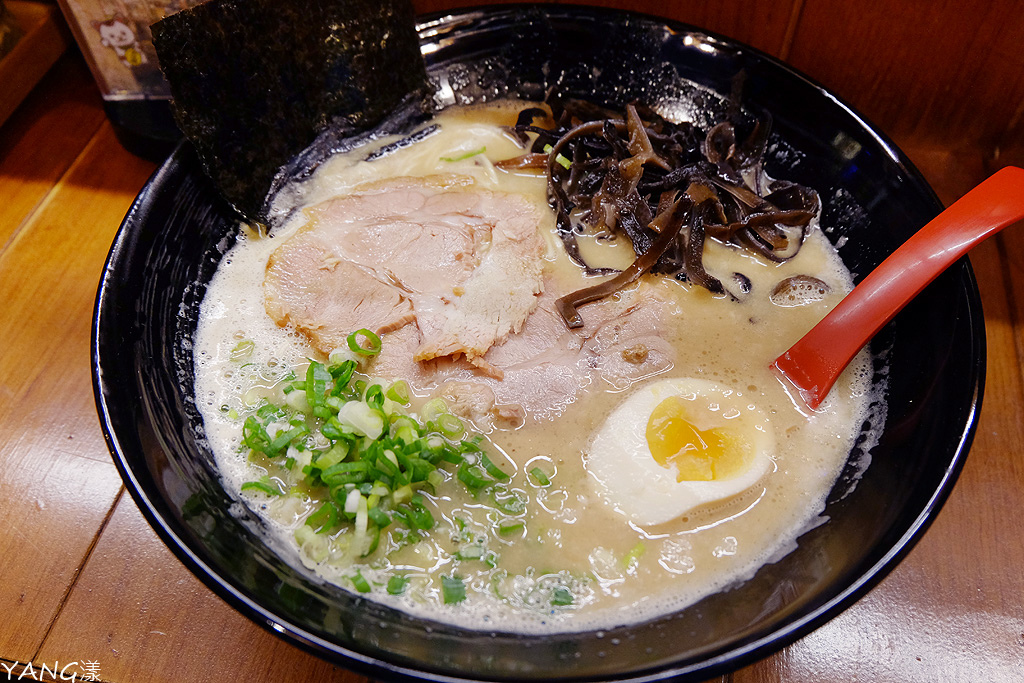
x: 696, y: 455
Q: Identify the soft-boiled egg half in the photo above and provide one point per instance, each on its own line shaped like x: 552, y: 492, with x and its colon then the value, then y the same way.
x: 676, y: 444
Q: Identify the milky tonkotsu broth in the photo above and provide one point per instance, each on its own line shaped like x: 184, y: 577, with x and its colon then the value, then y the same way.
x: 617, y: 571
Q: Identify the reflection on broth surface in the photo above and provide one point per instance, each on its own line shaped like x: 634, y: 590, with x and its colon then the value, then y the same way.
x: 510, y: 472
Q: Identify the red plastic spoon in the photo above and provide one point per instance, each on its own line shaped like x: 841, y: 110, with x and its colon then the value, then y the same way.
x: 813, y: 363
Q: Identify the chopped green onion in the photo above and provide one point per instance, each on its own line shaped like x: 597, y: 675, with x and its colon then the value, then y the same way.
x: 540, y: 477
x: 561, y: 596
x: 332, y: 456
x: 339, y: 494
x: 375, y: 397
x: 333, y: 429
x: 345, y: 473
x: 360, y: 582
x: 364, y: 539
x: 435, y: 478
x: 379, y: 517
x: 263, y: 485
x: 473, y: 552
x: 342, y: 374
x: 372, y: 350
x: 317, y: 377
x: 402, y: 494
x: 405, y: 429
x: 397, y: 584
x: 386, y: 466
x: 493, y: 469
x: 296, y: 399
x: 324, y: 519
x: 633, y: 556
x: 471, y: 476
x: 399, y: 392
x: 510, y: 527
x: 362, y: 418
x: 374, y: 534
x: 449, y: 454
x: 509, y: 501
x: 346, y: 445
x: 254, y: 436
x: 242, y: 350
x: 433, y: 409
x: 419, y: 516
x: 453, y: 590
x: 281, y: 441
x: 304, y: 535
x: 559, y: 159
x: 419, y: 468
x: 352, y: 500
x: 465, y: 155
x: 450, y: 426
x: 268, y: 413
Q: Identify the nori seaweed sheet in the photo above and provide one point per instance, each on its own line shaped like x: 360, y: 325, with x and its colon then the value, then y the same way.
x: 254, y: 81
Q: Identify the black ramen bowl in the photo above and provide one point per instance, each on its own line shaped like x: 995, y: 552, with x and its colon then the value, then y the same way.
x: 932, y: 357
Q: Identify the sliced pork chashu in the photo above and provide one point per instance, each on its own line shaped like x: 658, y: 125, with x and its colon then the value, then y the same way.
x: 327, y: 298
x: 546, y: 366
x: 463, y: 264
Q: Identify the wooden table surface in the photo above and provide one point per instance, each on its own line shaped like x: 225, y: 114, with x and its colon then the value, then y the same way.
x: 86, y: 586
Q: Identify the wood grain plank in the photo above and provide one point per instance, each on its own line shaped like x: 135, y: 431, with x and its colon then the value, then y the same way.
x: 139, y: 613
x: 54, y: 457
x: 54, y: 506
x: 48, y: 278
x: 43, y: 137
x: 45, y: 38
x: 1011, y: 243
x: 760, y: 23
x: 938, y: 70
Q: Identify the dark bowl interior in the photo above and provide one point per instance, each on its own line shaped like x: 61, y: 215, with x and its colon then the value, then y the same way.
x: 932, y: 355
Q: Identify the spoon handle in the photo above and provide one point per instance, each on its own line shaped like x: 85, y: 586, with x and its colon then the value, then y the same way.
x: 817, y: 359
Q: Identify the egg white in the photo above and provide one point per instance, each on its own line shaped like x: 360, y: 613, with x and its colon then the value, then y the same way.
x: 625, y: 474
